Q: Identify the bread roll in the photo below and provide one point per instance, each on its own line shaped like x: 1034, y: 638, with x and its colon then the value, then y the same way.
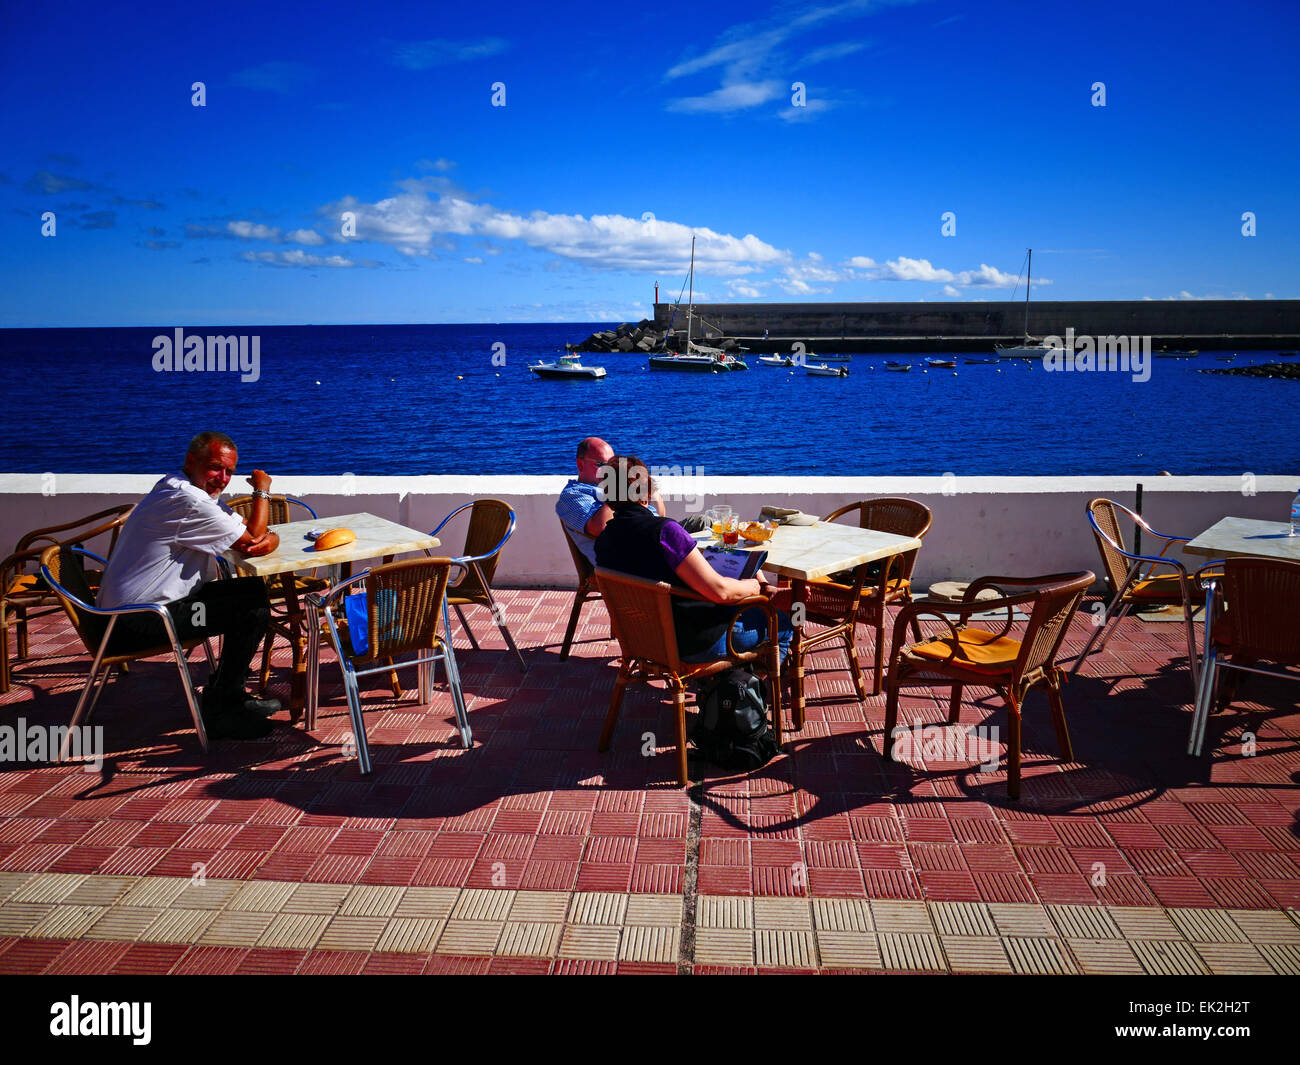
x: 334, y: 538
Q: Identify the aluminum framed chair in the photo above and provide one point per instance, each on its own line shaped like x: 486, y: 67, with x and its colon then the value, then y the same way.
x: 282, y: 594
x: 830, y: 600
x: 586, y: 589
x: 1250, y: 607
x: 21, y: 591
x: 1131, y: 585
x: 972, y: 656
x: 64, y: 571
x: 491, y: 523
x: 641, y: 616
x: 403, y: 607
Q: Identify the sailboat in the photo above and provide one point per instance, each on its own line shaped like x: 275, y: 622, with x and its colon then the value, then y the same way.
x: 697, y: 358
x: 1032, y: 347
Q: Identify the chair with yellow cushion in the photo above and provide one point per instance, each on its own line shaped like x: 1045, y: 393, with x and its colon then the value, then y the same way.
x: 22, y: 591
x: 1134, y: 580
x: 993, y: 659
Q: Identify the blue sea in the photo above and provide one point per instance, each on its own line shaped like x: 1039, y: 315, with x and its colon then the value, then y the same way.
x: 430, y: 399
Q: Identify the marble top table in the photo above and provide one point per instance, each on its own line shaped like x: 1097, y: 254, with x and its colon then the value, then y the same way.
x: 376, y: 537
x: 1247, y: 536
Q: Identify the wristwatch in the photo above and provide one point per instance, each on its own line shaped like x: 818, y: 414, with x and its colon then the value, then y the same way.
x: 259, y: 494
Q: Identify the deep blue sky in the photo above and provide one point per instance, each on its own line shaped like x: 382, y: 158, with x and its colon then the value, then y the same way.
x: 170, y: 214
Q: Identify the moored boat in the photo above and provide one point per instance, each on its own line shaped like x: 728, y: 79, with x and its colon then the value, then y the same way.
x: 898, y: 367
x: 813, y: 369
x: 776, y: 360
x: 567, y: 366
x: 980, y: 360
x: 942, y: 364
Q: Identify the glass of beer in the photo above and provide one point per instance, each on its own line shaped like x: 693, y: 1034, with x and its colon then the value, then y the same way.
x: 730, y: 530
x: 719, y: 516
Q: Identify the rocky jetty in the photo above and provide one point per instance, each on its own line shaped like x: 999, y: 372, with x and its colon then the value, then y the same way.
x: 643, y: 337
x: 1282, y: 371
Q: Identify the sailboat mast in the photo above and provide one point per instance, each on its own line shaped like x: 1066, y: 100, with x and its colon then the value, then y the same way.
x: 690, y: 314
x: 1029, y: 276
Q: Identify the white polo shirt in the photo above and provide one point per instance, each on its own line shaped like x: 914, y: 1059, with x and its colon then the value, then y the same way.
x: 169, y: 545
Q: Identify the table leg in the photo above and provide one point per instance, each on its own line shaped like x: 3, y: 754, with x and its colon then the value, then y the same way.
x: 798, y: 590
x: 297, y: 644
x: 313, y: 665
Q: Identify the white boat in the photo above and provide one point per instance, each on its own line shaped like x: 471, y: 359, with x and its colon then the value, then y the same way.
x: 567, y: 366
x: 697, y: 358
x: 1031, y: 347
x: 898, y: 367
x: 822, y: 370
x: 942, y: 364
x: 776, y: 360
x: 980, y: 360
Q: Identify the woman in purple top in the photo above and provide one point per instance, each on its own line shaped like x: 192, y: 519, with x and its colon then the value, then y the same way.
x: 646, y: 545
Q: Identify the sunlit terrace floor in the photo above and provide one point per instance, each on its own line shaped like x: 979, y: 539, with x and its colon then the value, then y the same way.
x: 534, y: 853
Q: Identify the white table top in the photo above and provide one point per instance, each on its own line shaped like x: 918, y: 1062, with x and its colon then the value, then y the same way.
x: 1247, y: 536
x: 804, y: 552
x: 376, y: 537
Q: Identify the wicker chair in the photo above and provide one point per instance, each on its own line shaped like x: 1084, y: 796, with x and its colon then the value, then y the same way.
x: 830, y: 601
x: 1131, y: 585
x: 491, y: 522
x: 640, y: 613
x: 586, y: 589
x: 1250, y: 617
x: 970, y: 656
x: 22, y: 591
x: 283, y: 590
x: 64, y: 571
x: 398, y: 613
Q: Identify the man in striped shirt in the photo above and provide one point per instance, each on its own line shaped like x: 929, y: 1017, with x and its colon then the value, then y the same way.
x: 581, y: 506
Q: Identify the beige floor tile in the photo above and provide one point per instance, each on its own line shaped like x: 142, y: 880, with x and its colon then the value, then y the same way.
x: 1167, y: 958
x: 352, y: 933
x: 294, y: 931
x: 976, y: 954
x: 659, y: 943
x: 530, y: 939
x: 724, y: 911
x: 1084, y: 922
x: 1283, y: 957
x: 962, y: 919
x: 842, y: 915
x: 236, y: 928
x: 597, y: 907
x: 1104, y: 956
x: 371, y: 900
x: 316, y: 898
x: 19, y: 918
x: 11, y: 882
x: 848, y: 949
x: 794, y: 915
x: 470, y: 937
x: 724, y: 946
x: 48, y: 887
x: 178, y: 926
x: 906, y: 950
x: 1143, y: 922
x: 903, y: 917
x: 1233, y: 959
x: 155, y: 890
x: 1021, y: 919
x: 429, y: 902
x: 786, y: 947
x: 483, y: 904
x: 598, y: 942
x: 67, y: 922
x: 546, y: 906
x: 655, y: 910
x: 210, y: 896
x: 1206, y: 926
x: 1265, y: 926
x: 100, y: 890
x: 1037, y: 954
x: 410, y: 935
x: 123, y: 922
x: 262, y: 896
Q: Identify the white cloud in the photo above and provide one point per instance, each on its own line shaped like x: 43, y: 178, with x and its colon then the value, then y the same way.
x: 295, y: 257
x: 475, y: 259
x: 905, y: 269
x: 253, y: 231
x: 832, y: 51
x: 949, y: 290
x: 738, y: 96
x: 422, y: 55
x: 806, y: 113
x: 305, y: 236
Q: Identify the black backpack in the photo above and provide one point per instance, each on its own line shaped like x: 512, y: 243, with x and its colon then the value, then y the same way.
x: 732, y: 729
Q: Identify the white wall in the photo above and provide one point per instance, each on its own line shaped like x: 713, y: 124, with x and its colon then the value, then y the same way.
x: 982, y: 525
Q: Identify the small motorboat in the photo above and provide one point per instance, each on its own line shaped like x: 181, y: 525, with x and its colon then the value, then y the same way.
x: 898, y: 367
x: 814, y: 369
x: 942, y: 364
x: 829, y: 358
x: 980, y: 360
x: 776, y: 360
x: 567, y: 366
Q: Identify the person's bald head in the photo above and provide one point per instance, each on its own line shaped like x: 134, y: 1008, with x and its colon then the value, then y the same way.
x: 593, y: 453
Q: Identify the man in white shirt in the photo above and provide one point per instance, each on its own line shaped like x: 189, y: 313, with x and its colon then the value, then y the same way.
x: 167, y: 553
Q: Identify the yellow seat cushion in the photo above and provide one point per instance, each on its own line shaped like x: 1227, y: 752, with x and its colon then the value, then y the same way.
x: 1164, y: 586
x: 897, y: 584
x: 976, y: 649
x: 28, y: 584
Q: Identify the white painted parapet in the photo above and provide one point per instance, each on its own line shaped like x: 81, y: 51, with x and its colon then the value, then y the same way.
x: 1018, y: 526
